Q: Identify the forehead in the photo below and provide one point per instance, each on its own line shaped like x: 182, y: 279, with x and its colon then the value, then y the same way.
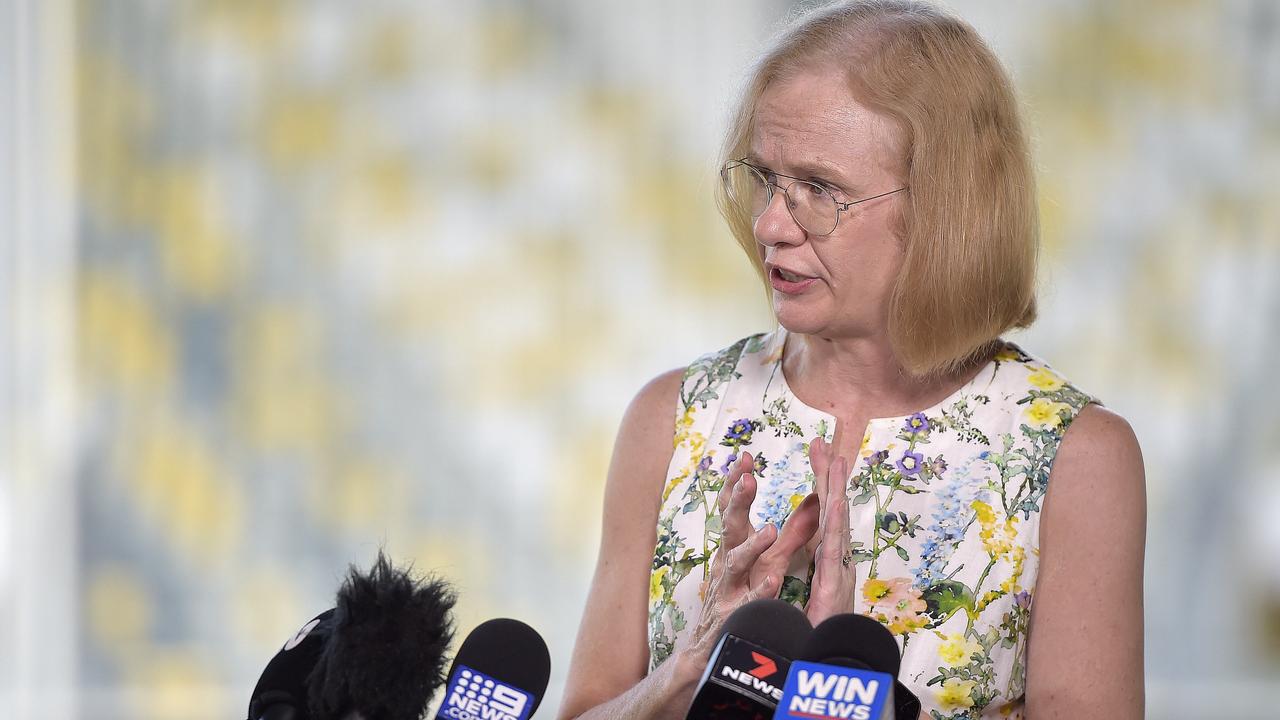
x: 812, y: 122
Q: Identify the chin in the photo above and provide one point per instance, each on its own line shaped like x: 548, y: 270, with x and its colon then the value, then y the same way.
x: 800, y: 318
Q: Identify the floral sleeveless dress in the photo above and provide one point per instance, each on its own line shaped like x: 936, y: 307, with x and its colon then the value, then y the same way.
x: 944, y: 512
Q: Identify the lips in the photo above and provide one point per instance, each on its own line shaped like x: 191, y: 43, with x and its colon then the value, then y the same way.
x: 788, y: 281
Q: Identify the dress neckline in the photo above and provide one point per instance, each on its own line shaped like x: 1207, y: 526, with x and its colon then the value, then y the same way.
x: 774, y: 352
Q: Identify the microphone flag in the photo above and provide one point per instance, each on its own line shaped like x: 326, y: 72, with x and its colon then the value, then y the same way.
x: 816, y: 691
x: 473, y: 695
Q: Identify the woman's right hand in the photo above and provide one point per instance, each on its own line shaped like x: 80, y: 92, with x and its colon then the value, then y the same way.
x: 749, y: 563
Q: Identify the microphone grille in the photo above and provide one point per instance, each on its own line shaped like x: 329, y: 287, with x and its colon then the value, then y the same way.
x: 853, y: 641
x: 770, y: 623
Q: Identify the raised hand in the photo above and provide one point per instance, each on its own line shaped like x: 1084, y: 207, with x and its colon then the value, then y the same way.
x: 750, y: 563
x: 834, y: 577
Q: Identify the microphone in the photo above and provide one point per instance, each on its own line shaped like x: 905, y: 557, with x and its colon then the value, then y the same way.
x: 378, y: 654
x: 500, y: 673
x: 281, y: 692
x: 847, y: 669
x: 744, y: 678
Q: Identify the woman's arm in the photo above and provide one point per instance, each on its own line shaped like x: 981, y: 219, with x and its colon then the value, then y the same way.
x: 1084, y: 656
x: 612, y: 655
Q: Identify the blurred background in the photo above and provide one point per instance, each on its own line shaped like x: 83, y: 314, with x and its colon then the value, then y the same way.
x: 284, y: 282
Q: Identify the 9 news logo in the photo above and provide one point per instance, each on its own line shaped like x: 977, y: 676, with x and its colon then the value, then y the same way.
x: 472, y: 695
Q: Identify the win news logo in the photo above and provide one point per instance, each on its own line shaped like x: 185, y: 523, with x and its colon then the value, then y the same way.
x: 472, y: 695
x: 826, y: 692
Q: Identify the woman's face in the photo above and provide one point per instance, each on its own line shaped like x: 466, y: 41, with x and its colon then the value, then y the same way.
x: 838, y: 285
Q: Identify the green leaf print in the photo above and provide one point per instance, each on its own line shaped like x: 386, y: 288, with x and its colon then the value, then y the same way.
x: 943, y: 599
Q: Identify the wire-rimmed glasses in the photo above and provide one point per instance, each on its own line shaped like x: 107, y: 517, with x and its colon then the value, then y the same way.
x: 811, y: 204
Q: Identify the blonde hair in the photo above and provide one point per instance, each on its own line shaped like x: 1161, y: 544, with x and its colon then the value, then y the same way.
x: 970, y: 224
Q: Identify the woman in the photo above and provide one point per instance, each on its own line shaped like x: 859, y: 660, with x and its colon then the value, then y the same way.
x: 883, y: 451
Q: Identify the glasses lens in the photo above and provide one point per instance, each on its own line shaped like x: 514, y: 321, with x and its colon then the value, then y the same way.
x: 746, y: 187
x: 812, y: 206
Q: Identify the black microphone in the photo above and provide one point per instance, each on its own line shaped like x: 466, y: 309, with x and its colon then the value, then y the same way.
x: 862, y: 645
x: 281, y: 692
x: 378, y: 654
x: 744, y: 679
x: 500, y: 673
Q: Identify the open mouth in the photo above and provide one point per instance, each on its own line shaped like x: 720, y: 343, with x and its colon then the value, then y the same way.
x: 785, y: 281
x: 790, y: 276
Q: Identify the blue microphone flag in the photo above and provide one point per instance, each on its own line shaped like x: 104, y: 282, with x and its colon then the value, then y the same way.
x: 815, y: 691
x: 473, y: 695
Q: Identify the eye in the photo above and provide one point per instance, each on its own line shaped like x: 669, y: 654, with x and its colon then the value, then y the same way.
x: 815, y: 189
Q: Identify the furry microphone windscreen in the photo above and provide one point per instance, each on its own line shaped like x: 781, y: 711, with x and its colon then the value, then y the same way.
x: 385, y: 657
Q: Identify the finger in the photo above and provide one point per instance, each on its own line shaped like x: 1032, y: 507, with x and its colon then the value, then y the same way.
x: 800, y: 526
x: 835, y: 520
x: 820, y: 463
x: 736, y: 515
x: 837, y: 481
x: 837, y: 498
x: 839, y: 493
x: 768, y: 587
x: 741, y: 558
x: 736, y: 471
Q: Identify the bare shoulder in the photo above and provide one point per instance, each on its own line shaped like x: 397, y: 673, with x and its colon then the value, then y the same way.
x: 641, y: 454
x: 1098, y: 466
x: 1099, y: 431
x: 1097, y: 488
x: 651, y: 416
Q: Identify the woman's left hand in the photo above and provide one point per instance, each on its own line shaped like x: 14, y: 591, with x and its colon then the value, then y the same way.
x: 834, y: 576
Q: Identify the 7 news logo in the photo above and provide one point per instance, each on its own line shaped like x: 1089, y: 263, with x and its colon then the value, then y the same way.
x: 472, y: 695
x: 756, y: 678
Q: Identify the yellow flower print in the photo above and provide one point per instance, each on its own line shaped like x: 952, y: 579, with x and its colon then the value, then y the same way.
x: 1044, y: 412
x: 684, y: 434
x: 683, y: 425
x: 997, y: 538
x: 865, y: 450
x: 1010, y: 585
x: 655, y: 583
x: 955, y: 694
x: 674, y: 482
x: 957, y: 650
x: 1006, y: 354
x: 874, y: 589
x: 796, y: 500
x: 1045, y: 379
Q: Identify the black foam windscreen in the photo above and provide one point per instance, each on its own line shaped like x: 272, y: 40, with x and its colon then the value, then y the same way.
x: 771, y: 623
x: 853, y: 641
x: 510, y: 651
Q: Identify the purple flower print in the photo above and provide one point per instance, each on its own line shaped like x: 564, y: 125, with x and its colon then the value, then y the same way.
x: 877, y: 458
x: 917, y: 424
x: 911, y: 463
x: 729, y: 461
x: 739, y: 433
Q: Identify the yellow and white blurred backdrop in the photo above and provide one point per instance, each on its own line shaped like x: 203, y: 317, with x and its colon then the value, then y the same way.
x: 287, y: 281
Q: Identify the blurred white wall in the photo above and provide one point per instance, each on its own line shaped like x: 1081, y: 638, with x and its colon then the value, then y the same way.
x: 285, y: 282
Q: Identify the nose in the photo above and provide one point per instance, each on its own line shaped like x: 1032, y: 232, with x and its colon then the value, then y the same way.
x: 776, y: 226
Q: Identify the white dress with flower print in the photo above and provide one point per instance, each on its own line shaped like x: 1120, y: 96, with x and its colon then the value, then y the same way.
x: 944, y: 512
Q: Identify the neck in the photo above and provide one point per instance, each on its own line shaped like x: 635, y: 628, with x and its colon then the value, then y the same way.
x: 861, y: 376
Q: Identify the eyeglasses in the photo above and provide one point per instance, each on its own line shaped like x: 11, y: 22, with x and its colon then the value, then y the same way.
x: 812, y: 205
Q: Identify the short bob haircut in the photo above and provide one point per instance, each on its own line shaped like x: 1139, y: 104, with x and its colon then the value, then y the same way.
x: 970, y: 224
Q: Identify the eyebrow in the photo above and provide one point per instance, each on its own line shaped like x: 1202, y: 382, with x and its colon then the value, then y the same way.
x: 814, y: 168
